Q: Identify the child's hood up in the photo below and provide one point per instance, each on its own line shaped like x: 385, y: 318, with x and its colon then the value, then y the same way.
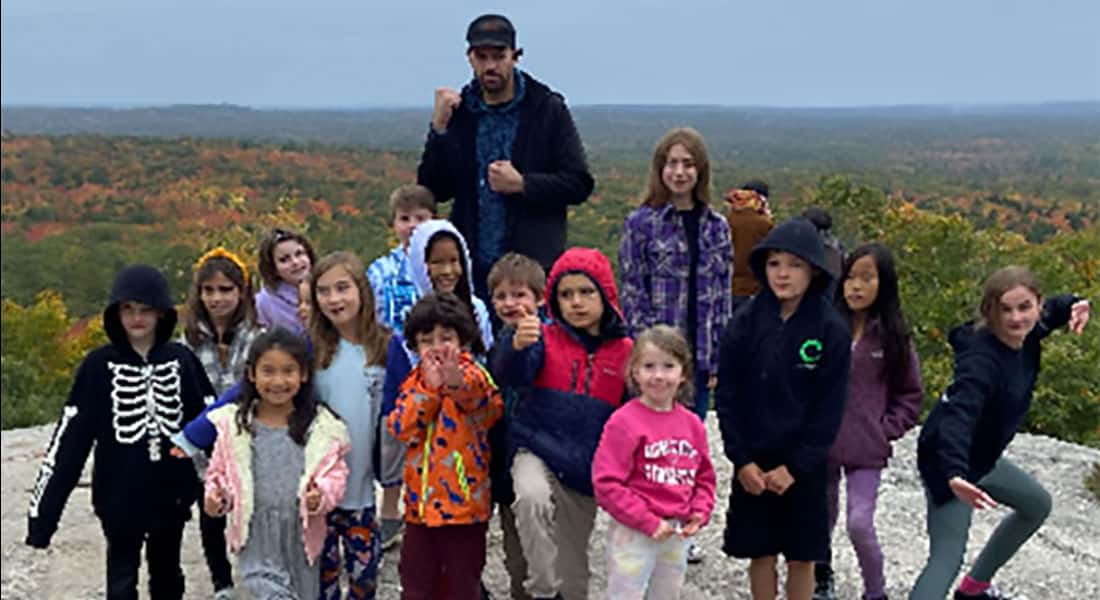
x: 799, y: 237
x: 593, y: 264
x: 418, y: 253
x: 147, y: 285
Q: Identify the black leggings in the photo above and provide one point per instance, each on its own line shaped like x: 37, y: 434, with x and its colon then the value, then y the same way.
x: 212, y: 530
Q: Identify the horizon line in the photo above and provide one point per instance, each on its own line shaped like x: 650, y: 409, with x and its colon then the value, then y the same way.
x: 703, y: 105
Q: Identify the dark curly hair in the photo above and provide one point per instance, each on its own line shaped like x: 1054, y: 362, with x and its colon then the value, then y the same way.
x: 445, y: 310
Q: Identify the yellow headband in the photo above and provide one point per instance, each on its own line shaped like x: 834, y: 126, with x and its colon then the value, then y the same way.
x: 221, y: 252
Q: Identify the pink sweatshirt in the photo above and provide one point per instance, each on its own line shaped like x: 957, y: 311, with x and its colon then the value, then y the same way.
x: 652, y: 466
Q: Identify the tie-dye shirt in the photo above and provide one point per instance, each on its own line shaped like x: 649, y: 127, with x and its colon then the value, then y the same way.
x: 394, y: 290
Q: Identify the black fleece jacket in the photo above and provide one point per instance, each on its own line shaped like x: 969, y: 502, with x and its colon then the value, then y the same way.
x: 782, y: 385
x: 985, y: 404
x: 547, y: 150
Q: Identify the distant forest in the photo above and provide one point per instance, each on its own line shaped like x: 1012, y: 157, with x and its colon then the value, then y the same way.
x: 1032, y: 169
x: 955, y: 193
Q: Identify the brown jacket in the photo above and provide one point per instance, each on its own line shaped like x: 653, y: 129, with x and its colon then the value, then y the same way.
x: 747, y: 228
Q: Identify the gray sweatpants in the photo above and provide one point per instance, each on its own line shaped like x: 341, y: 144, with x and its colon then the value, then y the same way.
x: 949, y: 526
x: 554, y: 524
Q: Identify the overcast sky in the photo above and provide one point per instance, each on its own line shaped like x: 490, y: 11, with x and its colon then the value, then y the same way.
x: 328, y: 53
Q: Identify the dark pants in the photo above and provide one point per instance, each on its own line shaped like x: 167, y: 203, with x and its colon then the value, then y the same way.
x: 442, y: 563
x: 212, y: 530
x: 162, y: 554
x: 702, y: 394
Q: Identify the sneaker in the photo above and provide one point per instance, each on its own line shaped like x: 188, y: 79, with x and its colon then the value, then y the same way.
x: 824, y: 588
x: 695, y: 554
x: 226, y: 593
x: 391, y: 533
x: 990, y: 593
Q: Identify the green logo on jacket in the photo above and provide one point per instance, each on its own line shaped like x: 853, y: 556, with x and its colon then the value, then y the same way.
x: 810, y: 352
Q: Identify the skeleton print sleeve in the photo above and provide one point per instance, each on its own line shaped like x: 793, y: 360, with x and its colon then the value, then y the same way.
x: 65, y: 457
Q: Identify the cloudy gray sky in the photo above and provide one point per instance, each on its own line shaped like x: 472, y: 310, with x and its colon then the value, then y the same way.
x: 329, y: 53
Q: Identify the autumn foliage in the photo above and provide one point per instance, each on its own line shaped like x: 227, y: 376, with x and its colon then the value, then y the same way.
x: 76, y: 209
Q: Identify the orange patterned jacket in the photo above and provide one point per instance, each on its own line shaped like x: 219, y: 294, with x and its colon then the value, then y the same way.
x: 447, y: 463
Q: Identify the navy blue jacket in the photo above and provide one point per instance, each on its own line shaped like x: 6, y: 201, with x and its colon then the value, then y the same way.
x: 985, y: 404
x: 576, y: 381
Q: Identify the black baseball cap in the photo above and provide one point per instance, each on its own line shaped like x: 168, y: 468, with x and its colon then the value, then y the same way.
x: 491, y: 30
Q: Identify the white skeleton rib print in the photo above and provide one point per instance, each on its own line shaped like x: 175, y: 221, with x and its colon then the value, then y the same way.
x: 45, y: 472
x: 146, y: 401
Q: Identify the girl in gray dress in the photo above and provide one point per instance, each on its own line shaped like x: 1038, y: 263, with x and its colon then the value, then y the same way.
x: 276, y: 470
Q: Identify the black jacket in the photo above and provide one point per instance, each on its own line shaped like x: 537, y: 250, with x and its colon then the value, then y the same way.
x: 985, y: 404
x: 547, y: 150
x: 782, y: 385
x: 135, y: 482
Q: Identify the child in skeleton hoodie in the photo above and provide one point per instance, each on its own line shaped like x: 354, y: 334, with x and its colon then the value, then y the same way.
x: 129, y: 398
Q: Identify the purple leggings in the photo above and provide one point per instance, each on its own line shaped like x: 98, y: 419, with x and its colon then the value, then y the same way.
x: 862, y: 495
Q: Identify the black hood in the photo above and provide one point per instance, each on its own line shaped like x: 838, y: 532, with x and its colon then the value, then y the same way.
x: 963, y: 337
x: 799, y: 237
x: 147, y: 285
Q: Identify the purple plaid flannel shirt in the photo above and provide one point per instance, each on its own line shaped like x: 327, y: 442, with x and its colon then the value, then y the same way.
x: 654, y: 265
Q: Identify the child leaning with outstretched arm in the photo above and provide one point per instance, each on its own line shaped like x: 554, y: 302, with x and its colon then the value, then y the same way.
x: 961, y: 445
x: 277, y: 469
x: 444, y: 411
x: 652, y: 472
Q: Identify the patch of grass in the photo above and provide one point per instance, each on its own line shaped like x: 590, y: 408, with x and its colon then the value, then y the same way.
x: 1092, y: 481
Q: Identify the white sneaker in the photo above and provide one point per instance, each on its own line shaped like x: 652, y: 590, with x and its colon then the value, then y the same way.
x: 695, y: 554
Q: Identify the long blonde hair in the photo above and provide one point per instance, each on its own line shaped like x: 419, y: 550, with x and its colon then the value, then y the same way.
x: 373, y: 336
x: 657, y: 195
